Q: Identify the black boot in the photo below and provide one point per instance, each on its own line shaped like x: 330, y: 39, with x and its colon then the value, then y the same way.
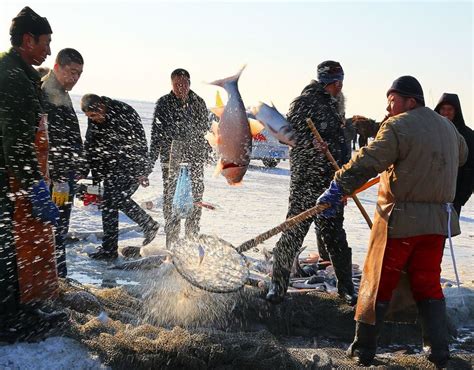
x: 364, y: 345
x: 103, y: 254
x: 150, y: 233
x: 434, y: 326
x: 342, y: 263
x: 277, y: 291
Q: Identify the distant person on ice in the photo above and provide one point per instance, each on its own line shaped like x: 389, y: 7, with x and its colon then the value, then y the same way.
x: 449, y: 106
x: 117, y: 153
x: 66, y: 153
x: 418, y: 154
x: 181, y: 117
x: 311, y: 173
x: 28, y: 276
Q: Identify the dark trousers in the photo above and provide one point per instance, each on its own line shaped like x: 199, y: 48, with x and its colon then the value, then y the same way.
x: 173, y: 223
x: 331, y: 239
x: 117, y: 197
x: 457, y: 206
x: 61, y: 232
x: 60, y: 237
x: 9, y: 290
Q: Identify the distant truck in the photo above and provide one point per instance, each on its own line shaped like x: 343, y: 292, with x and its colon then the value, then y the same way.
x: 268, y: 149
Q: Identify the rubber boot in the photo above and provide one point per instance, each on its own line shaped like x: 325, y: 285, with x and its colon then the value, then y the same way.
x: 279, y: 285
x: 432, y: 313
x: 364, y: 345
x: 150, y: 232
x: 342, y: 263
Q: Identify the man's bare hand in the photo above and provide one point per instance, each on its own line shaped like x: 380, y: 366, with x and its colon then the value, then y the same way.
x: 143, y: 180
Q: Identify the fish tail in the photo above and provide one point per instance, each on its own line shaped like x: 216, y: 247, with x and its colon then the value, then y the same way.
x: 231, y: 79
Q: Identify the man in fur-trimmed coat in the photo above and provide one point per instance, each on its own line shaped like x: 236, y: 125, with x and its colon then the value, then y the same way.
x: 311, y: 173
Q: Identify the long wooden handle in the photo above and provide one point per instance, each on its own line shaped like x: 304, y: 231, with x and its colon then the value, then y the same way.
x: 337, y: 168
x: 288, y: 224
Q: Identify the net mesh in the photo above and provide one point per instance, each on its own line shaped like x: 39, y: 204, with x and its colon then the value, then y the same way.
x: 210, y: 263
x: 126, y: 341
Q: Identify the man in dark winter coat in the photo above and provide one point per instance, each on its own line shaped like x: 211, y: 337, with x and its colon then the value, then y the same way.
x: 449, y: 106
x: 311, y: 173
x: 180, y: 121
x: 66, y: 161
x: 117, y: 153
x: 26, y: 209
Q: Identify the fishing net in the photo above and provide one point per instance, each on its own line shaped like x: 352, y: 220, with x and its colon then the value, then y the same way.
x: 210, y: 263
x: 125, y: 341
x: 217, y: 266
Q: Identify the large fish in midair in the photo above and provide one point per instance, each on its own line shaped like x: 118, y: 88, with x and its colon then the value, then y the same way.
x: 275, y: 123
x: 232, y: 135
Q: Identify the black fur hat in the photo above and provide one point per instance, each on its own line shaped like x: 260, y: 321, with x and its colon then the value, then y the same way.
x: 408, y: 86
x: 27, y: 21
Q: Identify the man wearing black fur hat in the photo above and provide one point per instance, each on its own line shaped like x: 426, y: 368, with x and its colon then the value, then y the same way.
x: 418, y: 153
x: 27, y: 265
x: 311, y: 173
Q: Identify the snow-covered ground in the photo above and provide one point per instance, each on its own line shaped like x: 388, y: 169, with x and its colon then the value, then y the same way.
x: 243, y: 212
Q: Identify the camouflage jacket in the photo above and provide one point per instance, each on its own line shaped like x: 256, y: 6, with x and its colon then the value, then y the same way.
x: 184, y: 121
x: 20, y: 112
x: 118, y: 146
x: 308, y: 166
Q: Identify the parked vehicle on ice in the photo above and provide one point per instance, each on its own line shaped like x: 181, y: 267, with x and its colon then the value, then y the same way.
x: 268, y: 149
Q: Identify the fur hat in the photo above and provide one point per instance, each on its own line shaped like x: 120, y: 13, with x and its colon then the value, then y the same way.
x: 329, y: 72
x: 27, y: 21
x: 408, y: 86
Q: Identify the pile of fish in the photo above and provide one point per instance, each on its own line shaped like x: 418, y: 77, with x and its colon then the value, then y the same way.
x: 306, y: 273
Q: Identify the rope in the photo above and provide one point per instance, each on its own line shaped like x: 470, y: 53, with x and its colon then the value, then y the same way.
x: 449, y: 209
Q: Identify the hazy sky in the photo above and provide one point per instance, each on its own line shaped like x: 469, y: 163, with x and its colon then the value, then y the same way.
x: 131, y: 47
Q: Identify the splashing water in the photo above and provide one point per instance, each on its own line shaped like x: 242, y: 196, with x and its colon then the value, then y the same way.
x: 169, y: 300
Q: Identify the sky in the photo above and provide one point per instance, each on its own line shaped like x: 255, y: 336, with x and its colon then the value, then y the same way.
x: 131, y: 47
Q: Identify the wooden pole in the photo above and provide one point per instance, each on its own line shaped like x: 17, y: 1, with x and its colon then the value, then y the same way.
x: 288, y: 224
x: 337, y: 168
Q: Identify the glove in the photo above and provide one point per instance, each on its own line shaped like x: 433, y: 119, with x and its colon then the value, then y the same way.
x: 60, y: 193
x: 332, y: 196
x: 42, y: 206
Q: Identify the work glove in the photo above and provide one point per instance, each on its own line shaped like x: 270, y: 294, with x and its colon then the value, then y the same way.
x: 42, y: 206
x: 60, y: 193
x: 332, y: 196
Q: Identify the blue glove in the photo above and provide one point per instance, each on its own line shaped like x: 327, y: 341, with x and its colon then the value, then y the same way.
x: 332, y: 196
x: 42, y: 205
